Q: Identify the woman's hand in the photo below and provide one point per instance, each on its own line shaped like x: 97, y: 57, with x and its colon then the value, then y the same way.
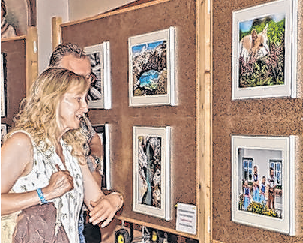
x: 105, y: 209
x: 59, y: 183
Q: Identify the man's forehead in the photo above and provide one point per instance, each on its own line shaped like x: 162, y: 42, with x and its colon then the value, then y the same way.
x: 77, y: 65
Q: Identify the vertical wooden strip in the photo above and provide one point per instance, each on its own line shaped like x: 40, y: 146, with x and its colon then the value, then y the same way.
x: 31, y: 57
x: 204, y: 118
x: 56, y: 31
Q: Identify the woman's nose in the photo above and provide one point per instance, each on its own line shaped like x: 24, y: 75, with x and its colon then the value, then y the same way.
x: 84, y: 106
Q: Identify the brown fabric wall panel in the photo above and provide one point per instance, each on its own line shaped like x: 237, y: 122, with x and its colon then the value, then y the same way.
x: 15, y: 51
x: 267, y: 117
x: 182, y: 118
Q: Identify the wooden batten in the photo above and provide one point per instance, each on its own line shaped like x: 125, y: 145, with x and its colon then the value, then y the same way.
x: 31, y: 57
x: 56, y: 31
x: 158, y: 227
x: 20, y: 37
x: 204, y: 118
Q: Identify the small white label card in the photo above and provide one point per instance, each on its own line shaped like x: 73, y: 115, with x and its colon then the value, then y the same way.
x: 186, y: 218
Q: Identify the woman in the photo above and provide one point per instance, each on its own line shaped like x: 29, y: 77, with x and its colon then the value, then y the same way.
x: 43, y: 170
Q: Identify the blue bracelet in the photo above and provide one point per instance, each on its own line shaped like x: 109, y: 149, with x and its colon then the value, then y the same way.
x: 41, y: 196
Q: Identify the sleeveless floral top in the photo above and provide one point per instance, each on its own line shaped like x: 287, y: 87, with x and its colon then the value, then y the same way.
x: 68, y: 205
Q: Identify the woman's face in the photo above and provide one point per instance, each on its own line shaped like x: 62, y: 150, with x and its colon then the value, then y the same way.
x: 71, y: 108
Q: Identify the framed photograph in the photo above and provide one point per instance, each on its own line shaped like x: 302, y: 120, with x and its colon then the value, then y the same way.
x: 152, y: 79
x: 3, y: 85
x: 264, y: 43
x: 263, y: 182
x: 100, y: 93
x: 3, y: 132
x: 151, y: 171
x: 103, y: 132
x: 18, y: 15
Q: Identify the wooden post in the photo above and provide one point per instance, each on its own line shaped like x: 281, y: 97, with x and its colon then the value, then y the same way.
x: 31, y: 57
x: 204, y: 118
x: 56, y: 31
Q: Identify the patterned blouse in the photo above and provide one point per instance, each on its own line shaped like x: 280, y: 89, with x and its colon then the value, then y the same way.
x: 68, y: 206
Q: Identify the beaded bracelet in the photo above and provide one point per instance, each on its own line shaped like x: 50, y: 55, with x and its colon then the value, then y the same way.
x: 41, y: 196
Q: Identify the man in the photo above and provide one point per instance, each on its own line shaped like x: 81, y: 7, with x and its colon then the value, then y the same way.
x: 73, y: 58
x: 271, y: 189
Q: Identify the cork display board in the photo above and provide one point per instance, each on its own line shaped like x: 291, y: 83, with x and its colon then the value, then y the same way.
x: 248, y: 117
x: 15, y: 59
x: 117, y: 28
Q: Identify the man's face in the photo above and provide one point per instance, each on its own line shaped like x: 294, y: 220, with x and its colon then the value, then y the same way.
x: 79, y: 66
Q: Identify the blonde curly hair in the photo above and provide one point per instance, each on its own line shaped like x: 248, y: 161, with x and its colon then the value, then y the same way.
x: 38, y: 113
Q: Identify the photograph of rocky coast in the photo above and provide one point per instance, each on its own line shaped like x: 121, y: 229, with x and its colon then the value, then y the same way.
x: 149, y: 69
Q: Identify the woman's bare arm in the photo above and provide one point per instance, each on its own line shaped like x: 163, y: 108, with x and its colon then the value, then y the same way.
x: 102, y: 208
x: 17, y: 161
x: 92, y: 191
x: 16, y: 158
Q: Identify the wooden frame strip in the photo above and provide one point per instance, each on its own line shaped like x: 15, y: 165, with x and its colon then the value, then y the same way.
x: 158, y: 227
x: 56, y: 31
x: 204, y: 118
x: 31, y: 57
x: 20, y: 37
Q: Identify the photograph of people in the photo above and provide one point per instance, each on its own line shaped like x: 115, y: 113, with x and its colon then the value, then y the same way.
x: 258, y: 194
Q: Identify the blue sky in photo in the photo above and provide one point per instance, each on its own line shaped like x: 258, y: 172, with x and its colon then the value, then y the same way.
x: 278, y: 17
x: 148, y: 46
x: 246, y: 25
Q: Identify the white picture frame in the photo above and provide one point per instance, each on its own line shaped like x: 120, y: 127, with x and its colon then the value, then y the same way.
x: 103, y: 131
x: 258, y: 34
x: 151, y: 171
x: 100, y: 93
x: 3, y: 91
x: 3, y: 131
x: 268, y: 162
x: 152, y: 81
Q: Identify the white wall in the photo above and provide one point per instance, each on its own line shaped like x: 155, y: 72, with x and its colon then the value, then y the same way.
x: 45, y: 11
x: 79, y: 9
x: 68, y: 10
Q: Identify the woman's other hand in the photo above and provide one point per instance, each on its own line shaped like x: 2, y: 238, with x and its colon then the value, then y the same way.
x: 59, y: 183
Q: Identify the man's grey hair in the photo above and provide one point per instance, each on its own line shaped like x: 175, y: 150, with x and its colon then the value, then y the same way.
x: 63, y: 50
